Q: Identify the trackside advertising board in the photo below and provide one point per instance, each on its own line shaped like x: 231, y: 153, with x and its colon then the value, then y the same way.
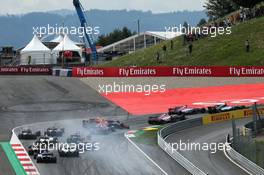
x: 238, y: 114
x: 25, y: 70
x: 170, y: 71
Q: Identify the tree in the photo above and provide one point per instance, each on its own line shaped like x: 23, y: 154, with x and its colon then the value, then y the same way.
x: 186, y: 27
x: 126, y: 32
x: 201, y: 22
x: 219, y: 8
x: 247, y: 3
x: 116, y: 35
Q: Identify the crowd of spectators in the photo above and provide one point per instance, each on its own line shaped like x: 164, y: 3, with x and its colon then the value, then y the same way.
x: 233, y: 19
x: 245, y: 14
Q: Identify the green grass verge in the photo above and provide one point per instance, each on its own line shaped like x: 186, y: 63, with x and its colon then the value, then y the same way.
x: 228, y: 50
x: 147, y: 137
x: 17, y: 167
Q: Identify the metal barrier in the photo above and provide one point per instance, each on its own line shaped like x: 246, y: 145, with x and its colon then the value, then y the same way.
x: 176, y: 127
x: 250, y: 166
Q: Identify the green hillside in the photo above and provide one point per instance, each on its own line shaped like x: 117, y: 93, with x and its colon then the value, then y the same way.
x: 222, y: 50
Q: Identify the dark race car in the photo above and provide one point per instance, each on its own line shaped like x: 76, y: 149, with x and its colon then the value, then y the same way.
x: 28, y: 135
x: 176, y: 110
x: 36, y: 148
x: 186, y: 110
x: 68, y: 151
x: 165, y: 118
x: 117, y: 124
x: 47, y: 140
x: 46, y: 157
x: 103, y: 124
x: 54, y: 132
x: 103, y: 129
x: 223, y: 108
x: 32, y: 149
x: 75, y: 138
x: 89, y: 122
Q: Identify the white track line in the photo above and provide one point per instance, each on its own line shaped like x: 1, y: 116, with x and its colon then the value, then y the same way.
x: 234, y: 162
x: 152, y: 161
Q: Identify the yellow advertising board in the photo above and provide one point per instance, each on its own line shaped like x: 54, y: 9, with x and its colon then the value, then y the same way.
x: 225, y: 116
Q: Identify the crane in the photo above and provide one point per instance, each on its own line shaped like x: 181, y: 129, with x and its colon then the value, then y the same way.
x: 80, y: 11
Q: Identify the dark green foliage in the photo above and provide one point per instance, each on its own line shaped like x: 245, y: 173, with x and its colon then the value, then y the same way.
x: 247, y: 3
x: 114, y: 36
x: 202, y: 22
x: 219, y: 8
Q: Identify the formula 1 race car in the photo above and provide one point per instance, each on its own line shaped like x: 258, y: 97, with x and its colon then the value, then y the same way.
x: 47, y: 140
x: 75, y: 138
x: 87, y: 123
x: 223, y: 108
x: 36, y: 148
x: 114, y: 124
x: 100, y: 129
x: 67, y: 151
x: 28, y: 135
x: 33, y: 149
x: 186, y: 110
x: 165, y: 118
x: 176, y: 110
x: 54, y: 132
x: 117, y: 124
x: 46, y: 157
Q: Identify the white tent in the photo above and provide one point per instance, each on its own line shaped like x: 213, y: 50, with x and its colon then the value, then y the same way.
x: 58, y: 39
x: 35, y: 53
x: 165, y: 35
x: 67, y: 45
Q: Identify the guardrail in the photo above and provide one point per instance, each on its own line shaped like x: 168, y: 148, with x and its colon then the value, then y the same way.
x: 242, y: 161
x: 176, y: 127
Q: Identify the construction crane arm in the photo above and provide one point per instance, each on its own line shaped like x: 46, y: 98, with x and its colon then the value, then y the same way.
x: 80, y: 12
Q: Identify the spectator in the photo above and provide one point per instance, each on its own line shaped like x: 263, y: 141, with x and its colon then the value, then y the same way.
x: 247, y: 46
x: 158, y: 57
x: 190, y: 48
x: 164, y: 48
x: 29, y: 60
x: 241, y: 16
x: 184, y: 39
x: 172, y: 44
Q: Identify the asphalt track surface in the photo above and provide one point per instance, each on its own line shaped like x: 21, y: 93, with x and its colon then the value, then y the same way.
x: 213, y: 164
x: 115, y: 156
x: 32, y: 99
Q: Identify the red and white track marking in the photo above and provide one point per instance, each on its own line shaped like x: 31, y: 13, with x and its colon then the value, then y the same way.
x: 23, y: 156
x: 140, y: 104
x: 24, y: 159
